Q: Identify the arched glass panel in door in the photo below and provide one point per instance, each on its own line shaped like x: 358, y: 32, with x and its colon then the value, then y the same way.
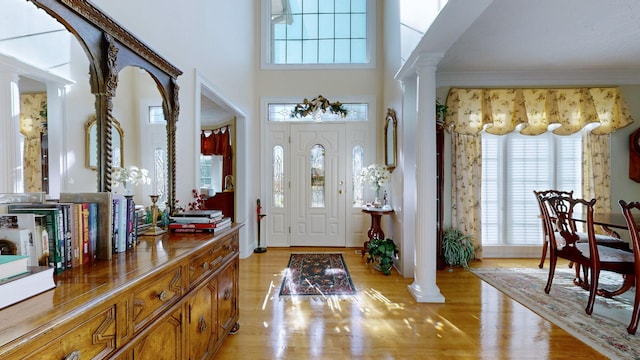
x: 277, y: 164
x: 357, y: 161
x: 317, y: 176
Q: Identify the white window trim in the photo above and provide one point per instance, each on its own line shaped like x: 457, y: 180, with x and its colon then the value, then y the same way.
x: 504, y: 250
x: 265, y: 41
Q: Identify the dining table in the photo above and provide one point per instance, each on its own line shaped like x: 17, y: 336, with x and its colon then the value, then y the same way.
x: 607, y: 220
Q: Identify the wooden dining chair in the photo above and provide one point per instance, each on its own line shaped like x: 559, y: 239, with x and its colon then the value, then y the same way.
x: 593, y: 258
x: 631, y: 213
x: 540, y: 195
x: 610, y: 239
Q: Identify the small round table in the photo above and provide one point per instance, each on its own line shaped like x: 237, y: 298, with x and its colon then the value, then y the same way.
x: 375, y: 231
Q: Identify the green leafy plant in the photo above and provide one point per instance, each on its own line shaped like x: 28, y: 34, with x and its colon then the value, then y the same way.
x: 457, y: 247
x: 441, y: 110
x: 382, y: 252
x: 318, y: 104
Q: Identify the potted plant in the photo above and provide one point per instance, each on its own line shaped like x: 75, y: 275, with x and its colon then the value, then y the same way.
x: 441, y: 110
x: 457, y: 248
x: 382, y: 252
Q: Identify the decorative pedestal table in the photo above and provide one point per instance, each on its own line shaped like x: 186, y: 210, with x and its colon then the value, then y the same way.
x: 375, y: 231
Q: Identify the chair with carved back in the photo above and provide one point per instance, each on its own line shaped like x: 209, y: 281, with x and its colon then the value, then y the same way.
x: 545, y: 234
x: 593, y: 258
x: 631, y: 213
x: 611, y: 239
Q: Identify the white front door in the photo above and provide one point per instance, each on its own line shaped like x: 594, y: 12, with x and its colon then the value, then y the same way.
x: 301, y: 210
x: 318, y: 182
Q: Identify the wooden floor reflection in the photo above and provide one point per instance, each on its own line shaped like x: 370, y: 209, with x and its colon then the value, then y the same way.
x: 384, y: 321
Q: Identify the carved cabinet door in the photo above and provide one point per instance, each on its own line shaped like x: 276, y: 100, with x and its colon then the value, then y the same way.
x: 165, y: 341
x: 203, y: 323
x: 227, y: 297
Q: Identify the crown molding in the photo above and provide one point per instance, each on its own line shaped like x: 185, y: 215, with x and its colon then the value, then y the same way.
x: 539, y: 78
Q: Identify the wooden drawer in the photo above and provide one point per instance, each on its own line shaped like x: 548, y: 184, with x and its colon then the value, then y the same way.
x: 206, y: 262
x: 93, y: 338
x: 156, y: 295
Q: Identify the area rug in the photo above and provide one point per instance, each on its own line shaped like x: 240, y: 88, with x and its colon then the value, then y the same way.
x: 605, y: 330
x: 317, y: 276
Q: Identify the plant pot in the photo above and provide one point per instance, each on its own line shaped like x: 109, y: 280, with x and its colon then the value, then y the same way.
x: 385, y: 269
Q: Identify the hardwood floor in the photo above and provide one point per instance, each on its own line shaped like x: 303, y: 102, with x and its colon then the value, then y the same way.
x: 384, y: 322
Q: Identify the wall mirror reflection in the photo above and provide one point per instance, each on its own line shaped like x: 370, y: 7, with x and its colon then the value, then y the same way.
x: 390, y: 139
x: 91, y: 143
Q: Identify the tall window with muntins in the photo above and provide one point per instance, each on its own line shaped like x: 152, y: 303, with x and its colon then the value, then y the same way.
x: 277, y: 164
x: 317, y: 176
x: 159, y: 180
x: 514, y: 165
x: 281, y: 112
x: 156, y: 115
x: 210, y: 172
x: 319, y: 32
x: 358, y: 186
x: 206, y: 169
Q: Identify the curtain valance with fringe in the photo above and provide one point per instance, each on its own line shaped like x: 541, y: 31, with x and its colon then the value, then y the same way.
x: 502, y: 110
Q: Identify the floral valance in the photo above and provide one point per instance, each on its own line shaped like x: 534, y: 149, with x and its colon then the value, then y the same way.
x: 502, y: 110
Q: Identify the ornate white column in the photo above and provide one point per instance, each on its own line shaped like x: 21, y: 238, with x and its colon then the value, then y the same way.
x: 10, y: 138
x: 424, y: 288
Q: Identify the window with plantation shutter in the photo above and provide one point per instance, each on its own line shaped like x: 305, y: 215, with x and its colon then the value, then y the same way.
x: 514, y: 165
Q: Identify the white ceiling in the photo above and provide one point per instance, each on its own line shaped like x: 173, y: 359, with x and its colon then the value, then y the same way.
x: 587, y: 41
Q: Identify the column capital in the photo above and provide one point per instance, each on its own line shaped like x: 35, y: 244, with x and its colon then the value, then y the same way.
x: 427, y: 60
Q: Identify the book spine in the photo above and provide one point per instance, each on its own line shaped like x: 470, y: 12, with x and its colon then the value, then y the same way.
x: 130, y: 222
x: 192, y: 230
x: 76, y: 240
x: 66, y: 234
x: 116, y: 224
x: 84, y: 228
x: 93, y: 230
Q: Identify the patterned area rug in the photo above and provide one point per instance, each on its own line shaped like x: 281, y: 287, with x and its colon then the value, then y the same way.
x: 317, y: 275
x: 605, y: 330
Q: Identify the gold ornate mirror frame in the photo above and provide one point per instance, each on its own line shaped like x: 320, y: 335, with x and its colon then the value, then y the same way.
x: 391, y: 139
x: 91, y: 143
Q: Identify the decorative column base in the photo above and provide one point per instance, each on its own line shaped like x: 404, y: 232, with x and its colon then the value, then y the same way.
x: 422, y: 296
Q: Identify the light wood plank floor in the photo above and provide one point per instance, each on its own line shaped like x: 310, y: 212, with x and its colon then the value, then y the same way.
x: 384, y: 322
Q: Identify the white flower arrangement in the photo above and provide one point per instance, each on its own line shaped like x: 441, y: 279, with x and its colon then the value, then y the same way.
x: 130, y: 175
x: 376, y: 175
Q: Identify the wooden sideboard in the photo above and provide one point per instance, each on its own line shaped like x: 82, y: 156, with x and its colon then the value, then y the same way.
x: 172, y: 297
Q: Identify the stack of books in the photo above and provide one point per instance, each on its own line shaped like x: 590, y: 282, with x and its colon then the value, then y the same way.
x: 19, y: 281
x: 198, y: 221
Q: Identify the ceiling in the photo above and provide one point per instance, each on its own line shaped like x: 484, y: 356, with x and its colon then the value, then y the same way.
x: 559, y: 40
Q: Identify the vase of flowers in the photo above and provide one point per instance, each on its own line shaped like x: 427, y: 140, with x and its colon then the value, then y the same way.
x: 376, y: 176
x: 129, y: 176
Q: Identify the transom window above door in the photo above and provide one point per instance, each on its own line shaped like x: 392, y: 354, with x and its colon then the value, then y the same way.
x: 316, y: 33
x: 281, y: 112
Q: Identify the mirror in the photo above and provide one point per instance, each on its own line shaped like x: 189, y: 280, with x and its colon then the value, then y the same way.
x: 390, y: 139
x: 91, y: 143
x: 108, y: 48
x: 139, y: 101
x: 55, y: 100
